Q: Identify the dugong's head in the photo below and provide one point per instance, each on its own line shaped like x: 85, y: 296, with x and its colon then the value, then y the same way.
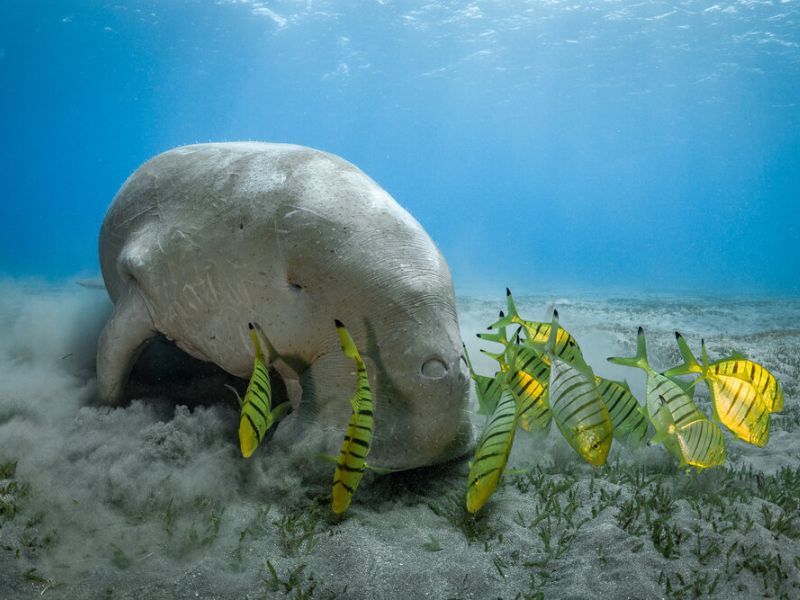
x: 404, y: 323
x: 420, y: 382
x: 385, y: 279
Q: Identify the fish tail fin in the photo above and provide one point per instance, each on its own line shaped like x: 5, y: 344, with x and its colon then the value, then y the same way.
x: 502, y: 322
x: 640, y: 360
x: 690, y: 364
x: 499, y: 337
x: 272, y: 354
x: 256, y: 342
x: 348, y: 345
x: 500, y: 357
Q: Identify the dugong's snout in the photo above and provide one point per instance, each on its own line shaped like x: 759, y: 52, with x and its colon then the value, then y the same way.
x: 423, y: 418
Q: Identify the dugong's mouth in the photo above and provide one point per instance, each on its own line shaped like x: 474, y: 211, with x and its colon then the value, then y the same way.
x: 410, y: 441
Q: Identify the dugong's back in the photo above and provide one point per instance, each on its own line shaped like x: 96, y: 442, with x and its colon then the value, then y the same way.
x: 216, y: 234
x: 221, y: 188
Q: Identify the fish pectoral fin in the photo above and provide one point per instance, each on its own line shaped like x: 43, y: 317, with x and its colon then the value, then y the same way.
x: 659, y: 438
x: 381, y: 470
x: 516, y: 471
x: 378, y: 470
x: 236, y: 392
x: 327, y: 457
x: 280, y: 411
x: 686, y: 386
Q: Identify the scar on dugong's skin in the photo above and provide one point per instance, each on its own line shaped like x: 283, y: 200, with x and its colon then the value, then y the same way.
x: 203, y: 239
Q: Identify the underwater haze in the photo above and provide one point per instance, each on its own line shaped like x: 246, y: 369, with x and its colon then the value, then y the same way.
x: 543, y: 144
x: 628, y: 163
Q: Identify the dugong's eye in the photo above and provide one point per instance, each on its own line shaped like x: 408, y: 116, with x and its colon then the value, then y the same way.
x: 434, y: 368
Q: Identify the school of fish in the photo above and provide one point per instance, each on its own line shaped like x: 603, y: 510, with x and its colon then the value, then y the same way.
x: 258, y: 416
x: 542, y: 378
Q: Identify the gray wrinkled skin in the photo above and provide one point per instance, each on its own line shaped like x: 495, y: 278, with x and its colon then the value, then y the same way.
x: 203, y: 239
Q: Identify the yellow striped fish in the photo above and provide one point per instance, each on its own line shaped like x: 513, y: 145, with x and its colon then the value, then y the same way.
x: 487, y: 389
x: 683, y: 429
x: 500, y: 337
x: 529, y: 391
x: 527, y: 376
x: 492, y: 453
x: 566, y: 347
x: 698, y: 444
x: 764, y: 381
x: 257, y: 414
x: 628, y: 419
x: 679, y: 403
x: 737, y: 401
x: 531, y: 361
x: 576, y: 405
x: 352, y: 460
x: 736, y: 366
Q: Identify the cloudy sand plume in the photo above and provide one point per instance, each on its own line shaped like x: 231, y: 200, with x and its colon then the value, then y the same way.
x: 153, y: 499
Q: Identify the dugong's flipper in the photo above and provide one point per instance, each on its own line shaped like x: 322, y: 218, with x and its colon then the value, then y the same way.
x: 127, y: 331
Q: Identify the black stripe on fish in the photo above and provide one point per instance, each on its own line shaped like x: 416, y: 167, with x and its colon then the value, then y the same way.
x: 349, y: 489
x: 255, y: 429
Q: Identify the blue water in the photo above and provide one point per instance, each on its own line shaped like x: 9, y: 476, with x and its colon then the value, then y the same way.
x: 591, y: 145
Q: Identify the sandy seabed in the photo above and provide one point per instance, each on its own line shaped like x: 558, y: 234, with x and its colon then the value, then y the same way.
x: 153, y: 500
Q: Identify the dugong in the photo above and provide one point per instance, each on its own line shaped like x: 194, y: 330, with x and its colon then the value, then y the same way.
x: 203, y: 239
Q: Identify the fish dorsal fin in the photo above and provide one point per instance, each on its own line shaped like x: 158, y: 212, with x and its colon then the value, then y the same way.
x: 551, y: 340
x: 348, y: 345
x: 704, y: 354
x: 510, y: 304
x: 471, y: 370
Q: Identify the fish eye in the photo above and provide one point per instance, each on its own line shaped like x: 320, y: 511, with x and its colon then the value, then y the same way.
x: 434, y: 368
